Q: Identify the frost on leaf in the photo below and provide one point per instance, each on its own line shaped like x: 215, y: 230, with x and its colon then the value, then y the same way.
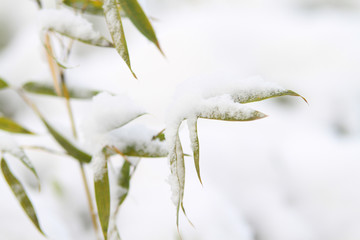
x: 8, y: 145
x: 73, y: 26
x: 113, y: 19
x: 219, y: 100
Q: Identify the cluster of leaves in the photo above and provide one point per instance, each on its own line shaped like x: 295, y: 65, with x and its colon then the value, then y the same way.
x: 113, y: 11
x: 231, y: 108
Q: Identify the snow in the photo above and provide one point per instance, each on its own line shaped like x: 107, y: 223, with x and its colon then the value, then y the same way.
x: 66, y: 22
x: 293, y: 175
x: 107, y: 113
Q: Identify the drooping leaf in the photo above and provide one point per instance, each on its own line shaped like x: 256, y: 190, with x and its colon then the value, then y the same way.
x: 102, y: 195
x: 67, y: 146
x: 124, y: 182
x: 192, y: 125
x: 88, y: 6
x: 9, y: 125
x: 262, y: 94
x: 20, y: 154
x: 137, y: 16
x: 177, y: 180
x: 48, y: 89
x: 73, y: 26
x: 3, y: 84
x: 19, y: 192
x: 114, y: 23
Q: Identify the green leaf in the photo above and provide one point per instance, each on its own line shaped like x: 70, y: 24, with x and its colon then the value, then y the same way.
x: 20, y: 154
x: 263, y: 94
x: 102, y: 195
x: 9, y: 125
x: 88, y: 6
x: 3, y: 84
x: 48, y: 89
x: 114, y: 23
x: 137, y: 16
x: 192, y: 125
x: 19, y: 192
x: 67, y: 146
x: 124, y: 181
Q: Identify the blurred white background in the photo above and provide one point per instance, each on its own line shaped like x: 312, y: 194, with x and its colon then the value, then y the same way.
x: 292, y: 176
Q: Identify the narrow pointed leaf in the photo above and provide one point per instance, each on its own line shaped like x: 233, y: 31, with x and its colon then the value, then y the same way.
x: 102, y: 195
x: 3, y: 84
x: 20, y: 154
x: 192, y: 125
x: 223, y: 108
x: 9, y: 125
x: 177, y: 180
x: 114, y: 23
x: 262, y: 94
x: 88, y: 6
x: 48, y: 89
x: 124, y: 182
x: 67, y: 146
x: 73, y: 26
x: 137, y: 16
x: 19, y: 192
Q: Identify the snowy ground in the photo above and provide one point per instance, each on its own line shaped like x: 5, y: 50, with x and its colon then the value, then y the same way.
x: 291, y: 176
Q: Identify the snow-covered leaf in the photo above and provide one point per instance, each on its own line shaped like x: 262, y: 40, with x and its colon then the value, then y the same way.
x: 192, y: 125
x: 137, y: 140
x: 114, y: 23
x: 137, y: 16
x: 67, y: 146
x: 108, y: 112
x: 254, y: 95
x: 48, y: 89
x: 223, y: 108
x: 9, y: 125
x: 8, y: 145
x: 102, y: 192
x: 73, y: 26
x: 177, y: 177
x: 3, y: 84
x: 19, y: 192
x: 88, y: 6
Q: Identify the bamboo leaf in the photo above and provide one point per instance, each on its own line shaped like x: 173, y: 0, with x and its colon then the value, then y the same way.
x: 177, y: 180
x: 3, y: 84
x: 73, y: 26
x: 20, y: 154
x: 114, y: 23
x: 223, y: 108
x: 67, y: 146
x: 19, y: 192
x: 102, y: 195
x: 137, y: 16
x: 262, y: 94
x: 9, y: 125
x: 192, y: 125
x: 124, y: 182
x: 88, y: 6
x: 48, y: 89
